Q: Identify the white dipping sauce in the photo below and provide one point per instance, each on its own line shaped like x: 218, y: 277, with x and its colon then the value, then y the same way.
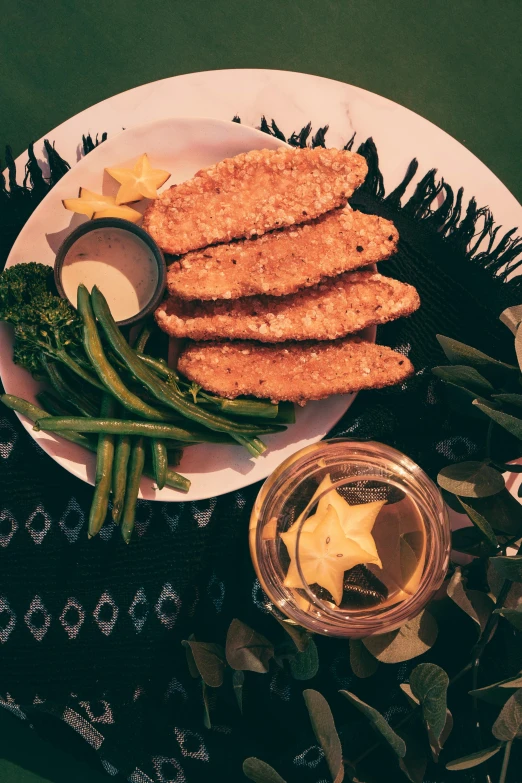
x: 119, y: 263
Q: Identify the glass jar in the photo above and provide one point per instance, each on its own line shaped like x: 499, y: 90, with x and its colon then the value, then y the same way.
x: 411, y: 534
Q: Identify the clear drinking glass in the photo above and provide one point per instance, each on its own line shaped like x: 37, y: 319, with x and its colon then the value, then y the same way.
x: 411, y: 533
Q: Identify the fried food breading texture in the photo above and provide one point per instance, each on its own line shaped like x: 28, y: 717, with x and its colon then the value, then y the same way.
x: 253, y: 193
x: 293, y: 371
x: 339, y: 306
x: 282, y: 262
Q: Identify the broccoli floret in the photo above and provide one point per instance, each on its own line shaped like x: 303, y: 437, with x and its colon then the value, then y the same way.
x: 45, y: 324
x: 20, y: 285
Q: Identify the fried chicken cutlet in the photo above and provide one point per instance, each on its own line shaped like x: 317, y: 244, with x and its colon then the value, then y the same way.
x: 339, y: 306
x: 253, y: 193
x: 281, y: 262
x: 293, y: 371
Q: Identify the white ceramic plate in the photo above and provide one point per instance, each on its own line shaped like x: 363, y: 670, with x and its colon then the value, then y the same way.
x: 181, y: 146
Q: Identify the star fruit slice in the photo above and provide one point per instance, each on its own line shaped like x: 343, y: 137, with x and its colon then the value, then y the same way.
x: 88, y: 202
x: 141, y: 181
x: 324, y: 556
x: 123, y: 212
x: 357, y: 521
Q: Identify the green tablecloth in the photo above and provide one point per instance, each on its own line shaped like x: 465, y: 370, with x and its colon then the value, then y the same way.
x: 458, y: 64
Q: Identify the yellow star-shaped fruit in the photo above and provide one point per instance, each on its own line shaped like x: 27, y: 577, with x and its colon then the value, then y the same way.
x: 357, y: 521
x: 142, y: 181
x: 324, y: 556
x: 94, y: 205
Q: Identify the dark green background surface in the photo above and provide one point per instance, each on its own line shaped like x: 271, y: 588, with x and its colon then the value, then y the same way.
x: 457, y: 63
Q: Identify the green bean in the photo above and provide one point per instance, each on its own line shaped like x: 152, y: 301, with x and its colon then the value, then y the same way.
x: 163, y: 392
x: 286, y: 413
x: 159, y: 366
x: 34, y: 413
x: 254, y: 446
x: 263, y: 410
x: 126, y: 427
x: 145, y: 333
x: 105, y: 371
x: 65, y: 391
x: 136, y: 464
x: 160, y: 461
x: 52, y: 405
x: 119, y: 475
x: 104, y: 461
x: 77, y: 369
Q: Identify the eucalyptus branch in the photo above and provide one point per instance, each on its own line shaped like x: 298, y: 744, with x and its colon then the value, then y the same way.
x: 505, y: 762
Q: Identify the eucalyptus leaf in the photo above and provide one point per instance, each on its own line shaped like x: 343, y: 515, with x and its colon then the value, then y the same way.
x: 305, y: 665
x: 206, y: 709
x: 437, y: 745
x: 474, y: 603
x: 474, y: 759
x: 518, y: 346
x: 471, y: 541
x: 260, y: 772
x: 509, y: 399
x: 466, y: 377
x: 471, y: 479
x: 409, y: 641
x: 460, y: 353
x: 514, y: 616
x: 325, y: 732
x: 379, y: 723
x: 461, y: 400
x: 238, y: 680
x: 415, y: 761
x: 246, y: 649
x: 299, y: 635
x: 508, y: 567
x: 209, y: 660
x: 429, y: 684
x: 191, y: 663
x: 511, y: 317
x: 362, y: 662
x: 502, y: 511
x: 499, y: 692
x: 482, y: 524
x: 510, y: 423
x: 508, y: 723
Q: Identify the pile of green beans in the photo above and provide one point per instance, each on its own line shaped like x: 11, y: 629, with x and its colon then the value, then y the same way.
x: 131, y: 408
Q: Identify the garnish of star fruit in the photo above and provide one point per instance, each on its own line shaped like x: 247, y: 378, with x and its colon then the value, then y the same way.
x: 141, y: 181
x: 357, y: 521
x: 324, y: 555
x: 94, y: 205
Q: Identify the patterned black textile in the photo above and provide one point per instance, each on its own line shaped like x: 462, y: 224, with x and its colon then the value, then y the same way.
x: 90, y: 631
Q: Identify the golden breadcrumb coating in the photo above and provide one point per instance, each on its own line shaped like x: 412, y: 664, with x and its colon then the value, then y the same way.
x: 282, y: 262
x: 339, y: 306
x: 253, y: 193
x: 293, y: 371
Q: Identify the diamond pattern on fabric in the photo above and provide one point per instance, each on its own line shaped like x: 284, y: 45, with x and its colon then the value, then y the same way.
x: 106, y: 613
x: 38, y: 524
x: 168, y: 606
x: 139, y: 777
x: 72, y: 520
x: 9, y: 704
x: 8, y: 438
x: 139, y: 610
x: 310, y: 757
x: 191, y: 744
x: 104, y: 715
x: 109, y: 768
x: 8, y: 527
x: 7, y: 620
x: 83, y: 727
x: 175, y: 686
x: 168, y: 770
x: 37, y: 618
x: 172, y: 520
x: 203, y: 511
x: 72, y: 617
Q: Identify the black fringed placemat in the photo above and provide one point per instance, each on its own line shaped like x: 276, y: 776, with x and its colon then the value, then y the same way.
x: 90, y: 631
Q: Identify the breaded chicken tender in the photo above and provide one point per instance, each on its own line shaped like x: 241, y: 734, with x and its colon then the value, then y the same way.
x: 293, y: 371
x: 339, y: 306
x: 282, y: 262
x: 253, y: 193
